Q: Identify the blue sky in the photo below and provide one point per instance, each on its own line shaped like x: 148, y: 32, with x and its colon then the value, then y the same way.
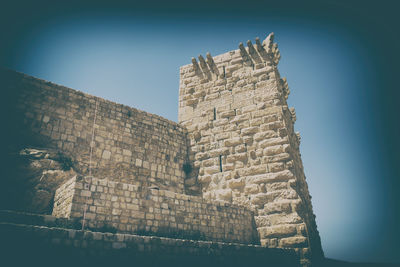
x: 334, y: 75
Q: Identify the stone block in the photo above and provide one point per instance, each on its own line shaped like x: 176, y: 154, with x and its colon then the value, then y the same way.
x: 277, y: 207
x: 227, y: 114
x: 270, y: 177
x: 86, y: 193
x: 282, y: 157
x: 237, y: 157
x: 212, y: 170
x: 277, y: 186
x: 240, y: 118
x: 293, y: 242
x: 126, y: 152
x: 254, y: 170
x: 259, y: 199
x: 106, y: 154
x: 252, y: 189
x: 233, y: 142
x: 224, y: 194
x: 236, y: 183
x: 250, y: 130
x: 205, y: 179
x: 273, y: 150
x: 277, y: 231
x: 272, y: 142
x: 138, y: 162
x: 276, y: 166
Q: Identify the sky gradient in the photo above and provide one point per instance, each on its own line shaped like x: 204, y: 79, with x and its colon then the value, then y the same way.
x: 340, y: 61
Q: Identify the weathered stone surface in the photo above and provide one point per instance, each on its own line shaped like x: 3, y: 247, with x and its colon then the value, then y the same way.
x: 252, y: 189
x: 224, y: 194
x: 277, y: 207
x: 261, y: 154
x: 296, y: 241
x: 39, y: 172
x: 236, y: 183
x: 276, y: 219
x: 265, y: 135
x: 277, y: 231
x: 271, y: 142
x: 124, y: 144
x: 284, y: 175
x: 273, y: 150
x: 259, y: 199
x: 234, y: 142
x: 156, y: 209
x: 250, y: 130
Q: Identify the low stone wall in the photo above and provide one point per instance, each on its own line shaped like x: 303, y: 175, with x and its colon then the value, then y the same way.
x: 27, y: 245
x: 128, y: 209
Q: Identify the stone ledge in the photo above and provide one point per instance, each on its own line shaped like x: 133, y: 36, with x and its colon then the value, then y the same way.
x: 65, y: 247
x: 17, y: 217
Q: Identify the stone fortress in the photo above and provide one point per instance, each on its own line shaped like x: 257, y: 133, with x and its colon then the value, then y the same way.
x: 229, y: 172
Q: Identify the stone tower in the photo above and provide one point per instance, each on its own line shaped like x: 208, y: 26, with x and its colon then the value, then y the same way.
x: 243, y: 145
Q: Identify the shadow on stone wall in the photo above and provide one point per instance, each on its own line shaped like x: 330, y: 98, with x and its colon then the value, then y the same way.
x: 54, y: 247
x: 31, y: 170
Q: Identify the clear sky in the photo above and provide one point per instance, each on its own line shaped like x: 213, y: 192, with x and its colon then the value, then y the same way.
x: 331, y: 55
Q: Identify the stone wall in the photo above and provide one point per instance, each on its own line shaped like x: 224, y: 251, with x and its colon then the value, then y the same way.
x: 244, y: 148
x: 235, y: 143
x: 27, y: 245
x: 128, y: 145
x: 129, y: 210
x: 63, y: 198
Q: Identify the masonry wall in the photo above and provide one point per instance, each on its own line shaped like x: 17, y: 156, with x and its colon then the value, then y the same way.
x: 129, y: 145
x: 63, y: 198
x: 130, y: 210
x: 243, y: 145
x: 45, y: 246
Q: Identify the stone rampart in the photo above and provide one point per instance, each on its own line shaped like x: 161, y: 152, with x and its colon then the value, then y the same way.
x: 118, y: 142
x: 102, y: 203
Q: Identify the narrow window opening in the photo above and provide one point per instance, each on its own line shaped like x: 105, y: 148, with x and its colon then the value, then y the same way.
x: 220, y: 163
x: 223, y: 69
x: 215, y: 114
x: 235, y: 111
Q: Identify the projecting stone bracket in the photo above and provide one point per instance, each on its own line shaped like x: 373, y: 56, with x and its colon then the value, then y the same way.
x: 253, y: 56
